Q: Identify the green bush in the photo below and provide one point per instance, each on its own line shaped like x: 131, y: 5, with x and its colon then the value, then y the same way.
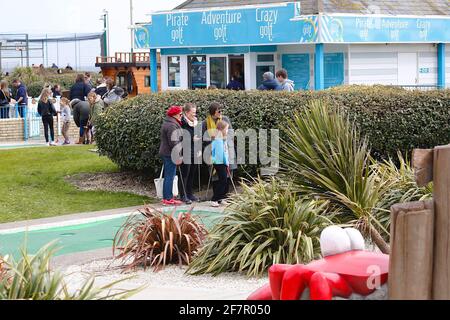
x: 34, y: 89
x: 392, y: 119
x: 265, y: 224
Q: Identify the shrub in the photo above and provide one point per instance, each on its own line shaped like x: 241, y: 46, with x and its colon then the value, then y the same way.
x: 35, y: 89
x: 399, y: 186
x: 265, y: 224
x: 158, y: 239
x: 325, y: 157
x: 392, y: 119
x: 31, y: 279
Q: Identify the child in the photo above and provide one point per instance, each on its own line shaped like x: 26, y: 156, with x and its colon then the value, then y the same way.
x: 221, y: 163
x: 47, y: 111
x: 65, y: 117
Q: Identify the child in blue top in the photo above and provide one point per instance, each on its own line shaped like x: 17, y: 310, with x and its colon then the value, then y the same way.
x: 221, y: 163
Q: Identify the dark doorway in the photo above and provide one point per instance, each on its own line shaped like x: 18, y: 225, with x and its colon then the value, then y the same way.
x: 237, y: 68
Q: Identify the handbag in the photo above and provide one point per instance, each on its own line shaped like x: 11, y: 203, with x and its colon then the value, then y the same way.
x: 159, y: 185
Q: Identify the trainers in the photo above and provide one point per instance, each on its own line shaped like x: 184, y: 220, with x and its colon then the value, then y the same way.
x: 187, y: 200
x: 177, y: 202
x: 214, y: 204
x: 168, y: 203
x: 193, y: 198
x: 224, y: 203
x: 53, y: 144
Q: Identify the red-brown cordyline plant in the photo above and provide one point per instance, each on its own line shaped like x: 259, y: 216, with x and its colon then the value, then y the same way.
x: 155, y: 239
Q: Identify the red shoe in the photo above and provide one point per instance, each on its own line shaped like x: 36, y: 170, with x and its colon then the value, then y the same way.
x: 177, y: 202
x: 168, y: 203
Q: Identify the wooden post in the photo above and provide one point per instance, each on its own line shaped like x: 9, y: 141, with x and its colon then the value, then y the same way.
x: 441, y: 195
x: 411, y: 258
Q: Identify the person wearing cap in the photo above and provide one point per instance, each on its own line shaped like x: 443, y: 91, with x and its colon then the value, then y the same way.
x: 269, y: 83
x: 170, y: 140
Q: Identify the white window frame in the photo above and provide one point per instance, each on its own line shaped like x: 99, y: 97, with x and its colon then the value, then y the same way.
x: 208, y: 66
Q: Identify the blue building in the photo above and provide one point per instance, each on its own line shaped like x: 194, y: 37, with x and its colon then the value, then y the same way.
x: 321, y: 43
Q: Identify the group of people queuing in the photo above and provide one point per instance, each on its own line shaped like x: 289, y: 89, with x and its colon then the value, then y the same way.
x: 180, y: 123
x: 85, y: 102
x: 7, y: 99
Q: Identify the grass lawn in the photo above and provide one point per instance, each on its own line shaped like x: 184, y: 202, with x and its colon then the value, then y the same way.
x: 32, y: 183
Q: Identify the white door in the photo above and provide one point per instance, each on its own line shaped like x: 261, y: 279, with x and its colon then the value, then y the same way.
x: 407, y: 69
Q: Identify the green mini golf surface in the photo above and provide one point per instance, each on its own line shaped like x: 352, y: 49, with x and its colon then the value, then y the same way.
x: 79, y: 237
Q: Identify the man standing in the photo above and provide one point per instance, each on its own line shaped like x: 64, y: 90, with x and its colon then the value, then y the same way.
x: 21, y: 96
x: 285, y: 83
x: 269, y: 83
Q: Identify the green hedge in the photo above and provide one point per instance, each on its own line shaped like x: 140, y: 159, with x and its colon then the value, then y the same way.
x: 393, y: 119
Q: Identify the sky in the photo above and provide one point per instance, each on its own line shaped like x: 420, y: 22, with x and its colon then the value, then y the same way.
x: 79, y: 16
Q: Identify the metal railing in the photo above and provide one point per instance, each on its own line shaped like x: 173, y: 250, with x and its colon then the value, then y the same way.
x: 421, y: 87
x: 126, y: 57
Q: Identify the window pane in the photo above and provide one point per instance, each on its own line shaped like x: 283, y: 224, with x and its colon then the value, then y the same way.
x: 174, y: 72
x: 197, y: 72
x: 260, y: 70
x: 218, y: 72
x: 266, y: 58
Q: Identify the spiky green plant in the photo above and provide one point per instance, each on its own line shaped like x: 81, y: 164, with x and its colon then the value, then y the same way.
x: 157, y: 239
x: 265, y: 224
x: 30, y: 278
x: 327, y: 159
x: 399, y: 186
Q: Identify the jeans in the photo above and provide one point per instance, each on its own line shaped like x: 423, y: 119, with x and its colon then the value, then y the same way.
x: 170, y: 171
x: 83, y: 124
x: 221, y: 187
x: 48, y: 123
x: 21, y: 109
x: 4, y: 112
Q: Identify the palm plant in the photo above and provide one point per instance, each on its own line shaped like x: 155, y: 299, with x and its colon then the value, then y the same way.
x: 399, y: 186
x: 265, y: 224
x: 156, y: 239
x: 31, y: 278
x: 327, y: 159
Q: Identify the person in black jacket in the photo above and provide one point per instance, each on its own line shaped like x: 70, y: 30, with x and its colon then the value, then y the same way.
x: 81, y: 111
x: 80, y: 89
x: 5, y: 100
x: 269, y: 83
x: 192, y: 131
x: 170, y: 139
x: 47, y: 111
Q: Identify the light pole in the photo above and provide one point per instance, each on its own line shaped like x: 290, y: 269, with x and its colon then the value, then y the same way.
x: 131, y: 24
x: 105, y: 18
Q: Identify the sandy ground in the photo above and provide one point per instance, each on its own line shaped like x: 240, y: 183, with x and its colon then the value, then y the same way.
x: 169, y: 284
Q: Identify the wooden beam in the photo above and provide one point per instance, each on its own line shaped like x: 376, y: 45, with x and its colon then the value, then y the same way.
x: 441, y: 195
x: 411, y: 258
x: 422, y: 162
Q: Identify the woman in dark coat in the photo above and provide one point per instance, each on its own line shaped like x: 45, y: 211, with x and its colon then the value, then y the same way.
x: 192, y: 131
x: 81, y: 112
x: 170, y: 139
x: 47, y: 111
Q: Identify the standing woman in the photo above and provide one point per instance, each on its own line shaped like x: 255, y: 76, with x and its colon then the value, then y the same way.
x: 189, y: 123
x: 5, y: 100
x: 97, y: 105
x: 170, y: 139
x: 47, y: 111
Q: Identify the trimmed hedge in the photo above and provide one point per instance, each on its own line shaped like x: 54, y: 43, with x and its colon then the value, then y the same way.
x: 393, y: 119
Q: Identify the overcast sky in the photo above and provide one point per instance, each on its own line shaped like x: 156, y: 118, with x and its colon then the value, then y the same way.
x: 80, y: 16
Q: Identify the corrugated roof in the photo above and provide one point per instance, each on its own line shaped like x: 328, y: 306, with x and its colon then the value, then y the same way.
x: 397, y: 7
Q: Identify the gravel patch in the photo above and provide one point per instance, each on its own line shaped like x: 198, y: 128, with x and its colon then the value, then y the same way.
x: 171, y: 277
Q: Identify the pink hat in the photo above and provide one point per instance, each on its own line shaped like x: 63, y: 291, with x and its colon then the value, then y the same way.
x: 174, y: 110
